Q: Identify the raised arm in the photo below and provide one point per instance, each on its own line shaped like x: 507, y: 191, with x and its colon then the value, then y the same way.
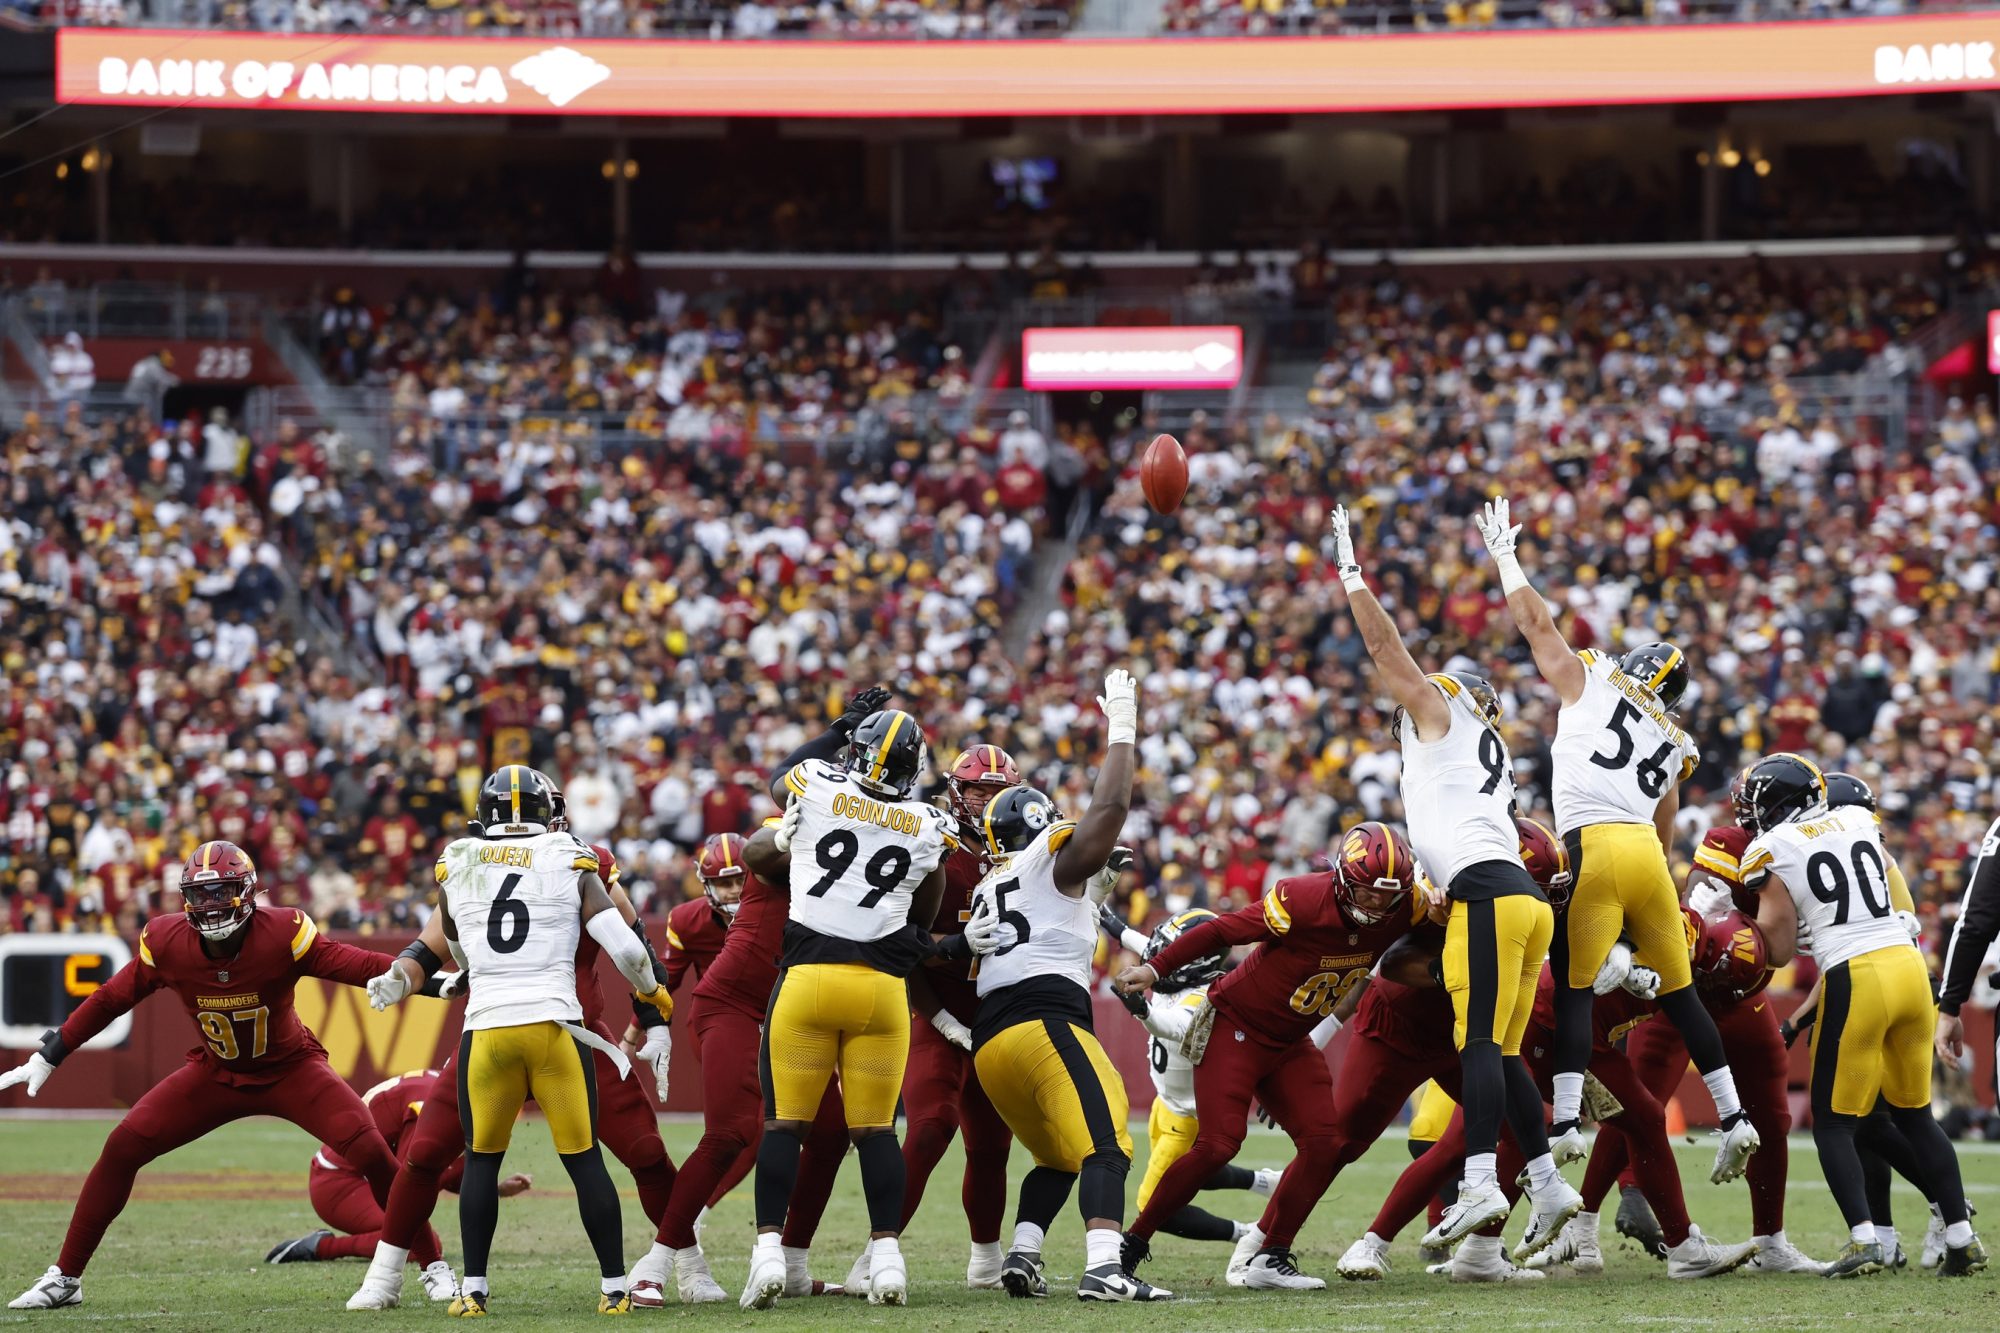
x: 829, y: 743
x: 1096, y: 835
x: 1401, y: 676
x: 1558, y: 663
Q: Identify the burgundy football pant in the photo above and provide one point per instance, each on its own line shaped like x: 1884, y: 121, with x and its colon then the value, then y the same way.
x: 344, y: 1202
x: 1757, y: 1054
x: 941, y: 1097
x: 626, y: 1125
x: 732, y: 1113
x: 192, y: 1102
x: 1296, y: 1087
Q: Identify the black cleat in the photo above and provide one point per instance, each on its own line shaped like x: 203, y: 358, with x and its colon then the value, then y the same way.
x: 1856, y: 1259
x: 1636, y: 1222
x: 1133, y: 1251
x: 1963, y: 1260
x: 1021, y: 1274
x: 304, y: 1250
x: 1109, y: 1282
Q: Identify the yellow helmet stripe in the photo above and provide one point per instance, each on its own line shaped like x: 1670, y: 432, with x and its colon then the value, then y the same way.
x: 514, y: 790
x: 1450, y: 687
x: 207, y: 854
x: 991, y: 845
x: 1390, y: 843
x: 896, y: 721
x: 1659, y: 677
x: 728, y: 861
x: 992, y: 757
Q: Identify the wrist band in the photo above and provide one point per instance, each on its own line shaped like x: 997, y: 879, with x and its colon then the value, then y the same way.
x: 1350, y: 578
x: 1511, y: 577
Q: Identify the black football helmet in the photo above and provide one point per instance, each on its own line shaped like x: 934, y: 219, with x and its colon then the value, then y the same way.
x: 1197, y: 973
x: 1015, y: 818
x: 1477, y: 691
x: 516, y: 801
x: 1778, y: 789
x: 1846, y: 789
x: 887, y: 753
x: 1661, y: 668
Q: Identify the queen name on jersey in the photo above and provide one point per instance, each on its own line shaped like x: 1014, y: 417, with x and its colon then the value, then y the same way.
x: 496, y: 889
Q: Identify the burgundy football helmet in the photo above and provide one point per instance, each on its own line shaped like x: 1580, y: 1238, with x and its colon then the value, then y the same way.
x: 977, y: 776
x: 1373, y: 873
x: 720, y: 870
x: 1547, y: 860
x: 219, y: 889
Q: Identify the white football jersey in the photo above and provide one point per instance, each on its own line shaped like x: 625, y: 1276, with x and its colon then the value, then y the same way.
x: 1458, y: 792
x: 519, y: 913
x: 1616, y: 751
x: 1043, y: 931
x: 1167, y: 1019
x: 1834, y: 867
x: 857, y: 859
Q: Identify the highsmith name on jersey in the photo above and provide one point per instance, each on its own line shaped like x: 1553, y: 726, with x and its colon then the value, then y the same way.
x: 518, y: 910
x: 1835, y: 869
x: 1458, y: 792
x: 1616, y: 751
x: 857, y: 859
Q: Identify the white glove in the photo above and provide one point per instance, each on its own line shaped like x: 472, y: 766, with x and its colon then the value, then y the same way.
x: 953, y: 1031
x: 389, y: 988
x: 454, y: 984
x: 34, y: 1072
x: 1617, y: 966
x: 1643, y: 982
x: 1099, y: 886
x: 657, y: 1050
x: 1910, y: 923
x: 1499, y: 532
x: 1120, y: 703
x: 788, y: 827
x: 1343, y: 551
x: 1711, y: 901
x: 982, y: 927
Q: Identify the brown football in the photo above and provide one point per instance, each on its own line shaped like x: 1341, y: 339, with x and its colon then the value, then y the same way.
x: 1163, y: 474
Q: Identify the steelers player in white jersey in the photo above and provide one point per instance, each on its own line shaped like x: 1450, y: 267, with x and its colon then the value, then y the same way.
x: 1619, y: 762
x: 865, y: 861
x: 1033, y: 926
x: 1458, y: 798
x: 514, y: 900
x: 1823, y: 872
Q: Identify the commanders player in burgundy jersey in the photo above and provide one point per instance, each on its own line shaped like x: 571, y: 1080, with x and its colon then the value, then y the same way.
x: 1320, y: 935
x: 735, y: 986
x: 234, y: 965
x: 342, y: 1199
x: 625, y: 1119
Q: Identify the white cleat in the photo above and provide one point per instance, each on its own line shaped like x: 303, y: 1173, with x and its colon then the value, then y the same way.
x: 857, y: 1274
x: 52, y: 1291
x: 1487, y: 1262
x: 1575, y: 1250
x: 1240, y: 1257
x: 1265, y: 1181
x: 1555, y: 1206
x: 1698, y: 1256
x: 1366, y: 1260
x: 379, y: 1293
x: 1273, y: 1270
x: 767, y: 1278
x: 440, y: 1284
x: 695, y: 1284
x: 1784, y: 1257
x: 982, y: 1267
x: 1932, y: 1253
x: 1473, y: 1210
x: 649, y: 1278
x: 1566, y: 1147
x: 798, y: 1272
x: 1738, y: 1142
x: 888, y: 1279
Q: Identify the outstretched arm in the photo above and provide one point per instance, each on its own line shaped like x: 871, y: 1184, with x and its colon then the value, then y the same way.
x: 1554, y: 658
x: 1245, y: 925
x: 1401, y: 676
x: 1090, y: 846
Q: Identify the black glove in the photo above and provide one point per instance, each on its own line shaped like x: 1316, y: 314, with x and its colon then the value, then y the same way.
x: 1113, y: 924
x: 1265, y: 1118
x: 1788, y: 1032
x: 953, y: 948
x: 859, y: 707
x: 1135, y: 1003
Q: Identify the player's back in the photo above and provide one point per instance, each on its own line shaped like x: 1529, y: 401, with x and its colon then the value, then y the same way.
x: 857, y: 857
x: 1458, y: 793
x: 1616, y: 752
x: 1047, y: 939
x: 1833, y: 865
x: 517, y: 908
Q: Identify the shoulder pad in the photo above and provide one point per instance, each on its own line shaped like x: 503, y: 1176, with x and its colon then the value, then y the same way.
x: 1059, y: 834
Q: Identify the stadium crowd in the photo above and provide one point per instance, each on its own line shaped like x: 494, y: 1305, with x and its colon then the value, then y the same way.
x: 659, y: 627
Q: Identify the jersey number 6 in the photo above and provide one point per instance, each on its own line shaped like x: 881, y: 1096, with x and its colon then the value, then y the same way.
x: 507, y: 920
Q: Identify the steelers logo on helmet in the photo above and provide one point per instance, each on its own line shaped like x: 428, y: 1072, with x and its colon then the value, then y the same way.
x: 1778, y: 789
x: 219, y: 889
x: 1196, y: 972
x: 887, y: 753
x: 1015, y: 818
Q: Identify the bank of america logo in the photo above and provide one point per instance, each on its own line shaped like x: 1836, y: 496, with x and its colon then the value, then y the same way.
x: 561, y: 74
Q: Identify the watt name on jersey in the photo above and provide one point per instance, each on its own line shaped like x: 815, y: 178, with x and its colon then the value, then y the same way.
x: 1833, y: 865
x: 518, y: 910
x: 857, y: 859
x: 1616, y: 751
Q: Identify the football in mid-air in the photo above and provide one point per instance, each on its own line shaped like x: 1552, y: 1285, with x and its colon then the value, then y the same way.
x: 1163, y: 474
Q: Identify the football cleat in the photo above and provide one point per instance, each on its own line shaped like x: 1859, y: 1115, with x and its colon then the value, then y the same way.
x: 1264, y: 1181
x: 1575, y: 1249
x: 1784, y: 1257
x: 1738, y: 1142
x: 1959, y: 1260
x: 1246, y: 1249
x: 1897, y: 1260
x: 1133, y: 1251
x: 767, y: 1278
x: 614, y: 1302
x: 1022, y: 1275
x: 888, y: 1279
x: 798, y: 1273
x: 1698, y: 1256
x: 467, y: 1305
x: 1487, y: 1263
x: 982, y: 1268
x: 1569, y: 1146
x: 857, y: 1274
x: 1933, y: 1250
x: 378, y: 1291
x: 1273, y: 1270
x: 692, y: 1280
x: 1109, y: 1282
x: 1557, y: 1205
x: 1635, y: 1221
x: 649, y: 1277
x: 1472, y: 1210
x: 648, y: 1295
x: 1856, y: 1259
x: 52, y: 1291
x: 440, y: 1283
x: 1366, y: 1260
x: 304, y: 1250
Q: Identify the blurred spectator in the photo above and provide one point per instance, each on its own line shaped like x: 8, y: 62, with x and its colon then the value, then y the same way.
x: 72, y: 370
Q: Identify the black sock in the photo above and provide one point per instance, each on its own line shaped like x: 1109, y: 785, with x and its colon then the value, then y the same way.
x: 1697, y: 1028
x: 597, y: 1205
x: 1877, y: 1136
x: 1833, y: 1134
x: 882, y: 1180
x: 1485, y: 1084
x: 479, y: 1209
x: 1044, y: 1191
x: 777, y: 1172
x: 1875, y: 1183
x: 1229, y: 1176
x: 1574, y: 1031
x: 1937, y: 1162
x: 1524, y: 1108
x: 1192, y: 1223
x: 1100, y: 1190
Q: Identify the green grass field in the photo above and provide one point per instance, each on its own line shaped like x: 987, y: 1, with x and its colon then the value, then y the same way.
x: 186, y: 1254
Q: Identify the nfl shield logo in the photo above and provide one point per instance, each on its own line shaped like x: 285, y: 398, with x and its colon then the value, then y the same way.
x: 1353, y: 939
x: 222, y: 977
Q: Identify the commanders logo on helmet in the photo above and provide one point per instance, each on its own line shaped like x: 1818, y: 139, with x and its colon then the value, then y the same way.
x: 1374, y: 873
x: 1547, y: 860
x: 887, y: 753
x: 1015, y: 818
x: 1198, y: 972
x: 1661, y: 668
x: 1777, y: 789
x: 1730, y: 956
x: 977, y: 776
x: 1476, y: 692
x: 219, y: 889
x: 517, y: 801
x: 720, y: 869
